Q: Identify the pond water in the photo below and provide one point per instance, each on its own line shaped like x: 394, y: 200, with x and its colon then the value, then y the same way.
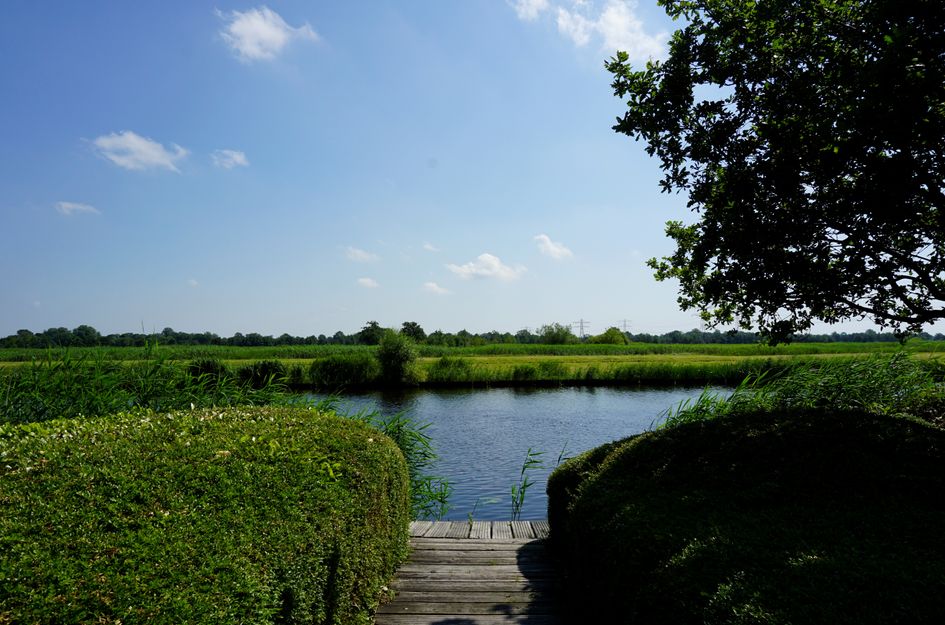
x: 482, y: 436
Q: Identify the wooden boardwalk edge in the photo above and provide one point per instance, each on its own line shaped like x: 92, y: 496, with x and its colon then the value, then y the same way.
x: 480, y: 530
x: 474, y: 573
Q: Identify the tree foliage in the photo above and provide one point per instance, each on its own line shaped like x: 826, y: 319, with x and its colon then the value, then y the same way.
x: 414, y: 331
x: 612, y: 336
x: 809, y: 137
x: 397, y: 356
x: 371, y: 333
x: 556, y: 334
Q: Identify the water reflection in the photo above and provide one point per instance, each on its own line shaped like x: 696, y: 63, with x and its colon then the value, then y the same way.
x: 482, y: 435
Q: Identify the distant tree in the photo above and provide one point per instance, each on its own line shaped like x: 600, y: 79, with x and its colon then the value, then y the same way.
x: 413, y: 330
x: 613, y: 336
x: 437, y: 337
x: 59, y: 337
x: 808, y: 137
x: 86, y: 336
x: 397, y: 356
x: 371, y: 333
x: 525, y: 337
x: 556, y: 334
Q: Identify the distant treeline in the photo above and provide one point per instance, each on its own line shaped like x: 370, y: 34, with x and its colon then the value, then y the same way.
x: 87, y: 336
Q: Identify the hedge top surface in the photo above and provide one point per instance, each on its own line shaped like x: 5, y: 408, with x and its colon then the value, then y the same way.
x: 249, y: 515
x: 800, y: 517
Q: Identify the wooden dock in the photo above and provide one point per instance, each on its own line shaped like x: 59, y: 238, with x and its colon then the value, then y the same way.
x: 479, y: 573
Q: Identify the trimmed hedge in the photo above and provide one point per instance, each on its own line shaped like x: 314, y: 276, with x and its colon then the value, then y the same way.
x: 803, y: 517
x: 236, y: 515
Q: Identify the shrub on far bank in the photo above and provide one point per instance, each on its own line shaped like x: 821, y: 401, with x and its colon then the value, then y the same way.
x: 397, y: 356
x: 237, y: 515
x: 808, y: 516
x: 262, y: 374
x: 344, y: 371
x: 613, y: 336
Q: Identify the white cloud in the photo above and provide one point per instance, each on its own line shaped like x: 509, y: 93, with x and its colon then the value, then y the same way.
x: 360, y: 256
x: 228, y: 159
x: 551, y: 248
x: 193, y: 283
x: 132, y: 151
x: 430, y: 247
x: 368, y: 283
x: 75, y: 208
x: 433, y: 287
x: 622, y: 29
x: 575, y: 26
x: 487, y: 266
x: 617, y: 26
x: 260, y: 33
x: 529, y: 9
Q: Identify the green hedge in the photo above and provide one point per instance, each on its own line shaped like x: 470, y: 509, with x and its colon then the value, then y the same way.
x: 803, y: 517
x: 237, y: 515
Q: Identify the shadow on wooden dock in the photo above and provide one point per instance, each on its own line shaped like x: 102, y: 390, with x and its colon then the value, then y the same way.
x: 485, y: 573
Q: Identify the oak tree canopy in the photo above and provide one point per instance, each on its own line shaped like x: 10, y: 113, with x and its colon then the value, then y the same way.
x: 809, y: 136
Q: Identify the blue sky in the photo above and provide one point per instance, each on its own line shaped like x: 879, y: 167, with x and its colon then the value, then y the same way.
x: 305, y: 167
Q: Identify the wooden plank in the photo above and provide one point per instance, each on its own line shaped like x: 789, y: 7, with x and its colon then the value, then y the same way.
x: 541, y: 529
x: 501, y: 530
x: 458, y: 529
x: 476, y: 557
x: 479, y: 585
x: 522, y: 529
x: 469, y: 544
x: 463, y: 619
x: 481, y: 558
x: 471, y: 571
x: 480, y: 530
x: 418, y: 528
x: 459, y: 607
x: 445, y: 596
x: 439, y: 529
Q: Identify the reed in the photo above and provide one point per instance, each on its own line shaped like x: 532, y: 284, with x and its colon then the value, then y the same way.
x: 90, y: 385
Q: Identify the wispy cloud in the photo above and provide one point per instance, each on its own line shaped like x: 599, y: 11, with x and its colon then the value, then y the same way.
x: 575, y: 26
x: 487, y: 266
x: 132, y: 151
x: 614, y: 23
x: 529, y: 10
x: 228, y: 159
x: 192, y: 283
x: 433, y: 287
x: 260, y: 34
x: 368, y: 283
x: 360, y: 256
x: 430, y: 247
x: 551, y: 248
x: 75, y: 208
x: 622, y: 29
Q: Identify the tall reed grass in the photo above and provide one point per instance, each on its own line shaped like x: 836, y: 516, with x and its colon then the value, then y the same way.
x: 881, y: 384
x: 91, y: 385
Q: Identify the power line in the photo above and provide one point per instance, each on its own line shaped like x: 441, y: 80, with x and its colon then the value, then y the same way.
x: 580, y: 324
x: 624, y: 324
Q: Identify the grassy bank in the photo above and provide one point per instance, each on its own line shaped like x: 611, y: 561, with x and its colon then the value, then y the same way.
x: 236, y: 380
x: 249, y: 515
x: 310, y: 352
x: 158, y: 381
x: 812, y: 497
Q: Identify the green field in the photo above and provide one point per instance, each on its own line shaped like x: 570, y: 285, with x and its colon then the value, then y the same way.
x: 308, y: 352
x: 504, y: 364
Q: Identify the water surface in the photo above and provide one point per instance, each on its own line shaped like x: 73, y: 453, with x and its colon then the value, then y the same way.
x: 482, y: 436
